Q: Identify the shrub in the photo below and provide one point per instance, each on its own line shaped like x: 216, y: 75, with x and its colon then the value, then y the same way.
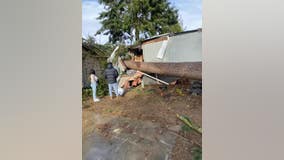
x: 86, y: 93
x: 102, y: 89
x: 197, y: 153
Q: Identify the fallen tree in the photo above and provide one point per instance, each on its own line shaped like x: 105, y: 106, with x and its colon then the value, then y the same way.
x: 191, y: 70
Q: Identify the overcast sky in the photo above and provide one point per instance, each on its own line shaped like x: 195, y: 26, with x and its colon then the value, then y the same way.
x: 190, y: 13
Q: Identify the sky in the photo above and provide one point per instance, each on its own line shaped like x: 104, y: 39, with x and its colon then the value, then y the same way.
x: 190, y: 13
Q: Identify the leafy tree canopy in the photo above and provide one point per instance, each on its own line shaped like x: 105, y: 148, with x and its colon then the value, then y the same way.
x: 137, y: 19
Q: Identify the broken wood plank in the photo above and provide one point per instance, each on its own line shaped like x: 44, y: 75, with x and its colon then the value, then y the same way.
x: 154, y: 78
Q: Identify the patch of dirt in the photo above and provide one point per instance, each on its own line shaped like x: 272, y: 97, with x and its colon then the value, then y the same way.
x: 152, y: 103
x: 104, y: 129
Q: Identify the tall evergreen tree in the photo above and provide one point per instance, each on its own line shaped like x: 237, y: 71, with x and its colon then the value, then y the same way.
x: 137, y: 19
x: 111, y: 19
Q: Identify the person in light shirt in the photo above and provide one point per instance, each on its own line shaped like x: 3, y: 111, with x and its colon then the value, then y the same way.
x: 94, y: 84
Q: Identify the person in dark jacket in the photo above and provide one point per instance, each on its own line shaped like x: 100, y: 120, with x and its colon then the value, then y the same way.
x: 111, y: 75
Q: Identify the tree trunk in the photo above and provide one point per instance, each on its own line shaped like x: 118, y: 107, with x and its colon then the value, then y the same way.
x: 136, y: 34
x: 191, y: 70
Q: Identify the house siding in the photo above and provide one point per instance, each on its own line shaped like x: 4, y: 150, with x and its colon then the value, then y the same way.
x: 186, y: 47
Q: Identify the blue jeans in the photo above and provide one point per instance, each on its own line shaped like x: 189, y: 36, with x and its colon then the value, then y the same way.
x: 111, y: 87
x: 94, y: 89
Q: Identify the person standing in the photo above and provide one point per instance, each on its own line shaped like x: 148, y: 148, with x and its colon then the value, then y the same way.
x: 111, y: 75
x: 94, y: 80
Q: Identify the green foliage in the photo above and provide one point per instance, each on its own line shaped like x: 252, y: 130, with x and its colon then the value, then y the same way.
x: 122, y: 51
x: 150, y: 91
x: 86, y: 93
x: 186, y: 128
x: 138, y: 91
x: 103, y: 62
x: 137, y: 19
x: 190, y: 124
x: 179, y: 91
x: 89, y: 41
x: 111, y: 19
x: 197, y: 153
x: 102, y: 88
x: 101, y: 50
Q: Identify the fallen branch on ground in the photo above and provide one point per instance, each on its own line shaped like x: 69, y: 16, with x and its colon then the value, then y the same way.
x: 189, y: 124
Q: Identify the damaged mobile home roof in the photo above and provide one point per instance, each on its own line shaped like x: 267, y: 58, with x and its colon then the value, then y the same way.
x: 177, y: 47
x: 172, y: 34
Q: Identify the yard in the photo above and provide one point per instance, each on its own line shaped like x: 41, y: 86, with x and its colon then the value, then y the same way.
x: 154, y: 109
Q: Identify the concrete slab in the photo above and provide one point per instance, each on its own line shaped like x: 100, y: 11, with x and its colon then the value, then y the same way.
x: 128, y: 140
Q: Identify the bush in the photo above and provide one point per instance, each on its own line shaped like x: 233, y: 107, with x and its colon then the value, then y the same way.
x: 197, y: 153
x: 86, y: 93
x: 102, y: 89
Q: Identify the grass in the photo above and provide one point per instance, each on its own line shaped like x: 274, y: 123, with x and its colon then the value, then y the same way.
x: 190, y: 124
x: 197, y: 153
x: 188, y: 127
x: 86, y: 93
x: 179, y: 92
x: 150, y: 91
